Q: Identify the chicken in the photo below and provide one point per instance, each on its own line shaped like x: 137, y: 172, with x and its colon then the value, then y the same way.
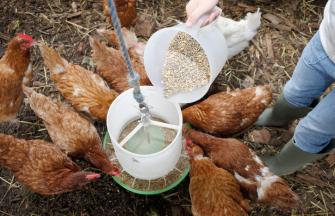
x: 74, y: 134
x: 229, y: 112
x: 126, y: 10
x: 254, y: 177
x: 112, y: 67
x: 130, y: 38
x: 42, y: 166
x: 15, y: 69
x: 239, y: 33
x: 85, y: 90
x: 213, y: 190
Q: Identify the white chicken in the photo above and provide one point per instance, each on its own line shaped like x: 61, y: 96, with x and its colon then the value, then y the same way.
x: 239, y: 33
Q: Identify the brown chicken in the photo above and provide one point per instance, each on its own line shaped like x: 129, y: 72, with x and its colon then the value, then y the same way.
x: 68, y: 130
x: 229, y: 112
x: 129, y: 37
x: 42, y: 166
x: 15, y: 69
x: 112, y: 67
x: 213, y: 191
x: 85, y: 90
x: 126, y: 10
x: 249, y: 170
x: 135, y: 47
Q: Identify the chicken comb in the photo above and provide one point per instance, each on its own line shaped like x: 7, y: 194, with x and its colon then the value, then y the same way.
x: 25, y: 37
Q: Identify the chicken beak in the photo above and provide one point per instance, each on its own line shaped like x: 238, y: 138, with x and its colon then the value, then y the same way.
x: 92, y: 177
x: 115, y: 172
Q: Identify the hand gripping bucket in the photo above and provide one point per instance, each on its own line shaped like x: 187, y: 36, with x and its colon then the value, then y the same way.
x: 210, y: 39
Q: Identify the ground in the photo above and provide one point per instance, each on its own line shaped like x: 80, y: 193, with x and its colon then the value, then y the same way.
x: 286, y: 28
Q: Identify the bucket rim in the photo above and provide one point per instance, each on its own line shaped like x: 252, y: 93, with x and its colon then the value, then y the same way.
x: 116, y: 144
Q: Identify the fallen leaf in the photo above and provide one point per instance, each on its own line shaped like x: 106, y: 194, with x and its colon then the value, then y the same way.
x: 145, y: 26
x: 269, y: 47
x: 311, y: 180
x: 280, y: 27
x: 272, y: 18
x: 261, y: 136
x: 283, y: 27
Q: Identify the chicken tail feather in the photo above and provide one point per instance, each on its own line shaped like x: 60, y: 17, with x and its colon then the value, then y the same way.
x: 253, y: 23
x: 27, y: 91
x: 52, y: 59
x: 98, y: 50
x: 275, y: 191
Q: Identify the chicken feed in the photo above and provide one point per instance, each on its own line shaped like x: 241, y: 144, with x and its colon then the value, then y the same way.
x: 186, y: 66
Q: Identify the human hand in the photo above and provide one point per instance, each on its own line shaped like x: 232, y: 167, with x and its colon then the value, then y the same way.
x: 197, y: 8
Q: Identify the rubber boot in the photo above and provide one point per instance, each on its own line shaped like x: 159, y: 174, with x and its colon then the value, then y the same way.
x: 282, y: 113
x: 291, y: 158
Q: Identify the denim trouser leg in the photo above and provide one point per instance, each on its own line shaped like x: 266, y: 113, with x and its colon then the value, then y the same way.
x: 314, y: 132
x: 313, y: 74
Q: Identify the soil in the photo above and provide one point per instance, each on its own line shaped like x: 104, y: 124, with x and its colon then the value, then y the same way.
x: 271, y: 57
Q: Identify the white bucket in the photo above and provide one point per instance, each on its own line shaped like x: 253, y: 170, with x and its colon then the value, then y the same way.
x: 124, y: 110
x: 211, y: 40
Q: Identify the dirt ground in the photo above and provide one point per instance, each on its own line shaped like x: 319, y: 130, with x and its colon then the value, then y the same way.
x: 286, y: 28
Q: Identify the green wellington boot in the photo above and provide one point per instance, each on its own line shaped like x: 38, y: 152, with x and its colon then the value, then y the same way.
x: 291, y: 158
x: 282, y: 113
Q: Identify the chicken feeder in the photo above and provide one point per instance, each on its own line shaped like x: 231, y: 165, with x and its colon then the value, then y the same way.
x: 148, y: 166
x: 210, y: 39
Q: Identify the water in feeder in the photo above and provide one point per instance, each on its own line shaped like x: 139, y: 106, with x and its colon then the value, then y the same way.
x: 148, y: 139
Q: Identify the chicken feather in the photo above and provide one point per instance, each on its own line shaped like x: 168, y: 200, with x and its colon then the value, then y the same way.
x: 239, y: 33
x: 213, y: 191
x: 229, y: 112
x: 74, y: 134
x: 126, y: 10
x: 112, y: 67
x: 249, y: 170
x: 42, y: 166
x: 15, y: 69
x: 85, y: 90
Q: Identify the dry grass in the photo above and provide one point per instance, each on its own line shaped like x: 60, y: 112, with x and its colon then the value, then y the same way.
x: 271, y: 58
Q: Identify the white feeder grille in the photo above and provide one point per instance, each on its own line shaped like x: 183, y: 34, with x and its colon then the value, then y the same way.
x: 151, y: 122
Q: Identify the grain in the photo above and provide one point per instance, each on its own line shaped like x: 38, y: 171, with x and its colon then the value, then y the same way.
x: 186, y: 66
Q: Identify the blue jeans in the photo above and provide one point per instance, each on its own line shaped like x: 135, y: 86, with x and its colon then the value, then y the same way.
x: 314, y: 73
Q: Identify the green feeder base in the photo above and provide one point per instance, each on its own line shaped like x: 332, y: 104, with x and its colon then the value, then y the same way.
x: 148, y: 187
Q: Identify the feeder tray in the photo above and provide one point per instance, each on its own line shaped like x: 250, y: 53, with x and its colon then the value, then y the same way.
x: 148, y: 187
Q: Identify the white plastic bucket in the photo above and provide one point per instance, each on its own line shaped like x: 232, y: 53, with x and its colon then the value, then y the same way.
x: 124, y: 110
x: 211, y: 40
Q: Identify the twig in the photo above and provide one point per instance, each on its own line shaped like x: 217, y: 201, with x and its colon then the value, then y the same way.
x: 4, y: 37
x: 5, y: 213
x: 76, y: 25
